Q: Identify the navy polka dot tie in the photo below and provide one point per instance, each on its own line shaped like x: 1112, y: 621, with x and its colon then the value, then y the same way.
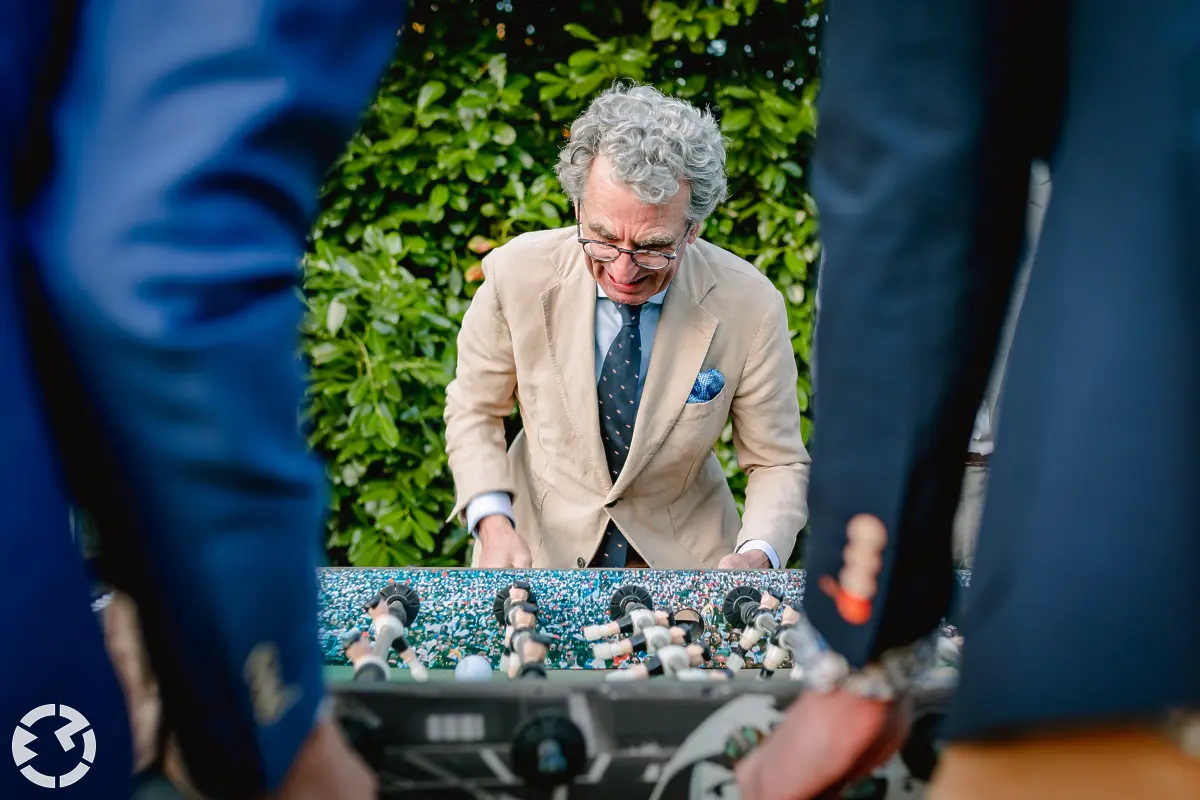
x: 618, y: 395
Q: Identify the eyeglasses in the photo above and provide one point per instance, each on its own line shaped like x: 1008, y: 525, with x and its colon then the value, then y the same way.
x: 646, y: 259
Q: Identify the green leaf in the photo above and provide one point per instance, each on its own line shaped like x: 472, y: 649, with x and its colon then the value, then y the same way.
x: 712, y: 26
x: 582, y: 59
x: 399, y: 140
x: 504, y: 134
x: 429, y: 93
x: 386, y: 428
x: 740, y: 93
x: 423, y: 539
x: 737, y: 119
x: 580, y: 32
x: 439, y: 195
x: 324, y: 352
x: 393, y: 243
x: 662, y: 28
x: 498, y: 69
x: 792, y: 168
x: 335, y: 315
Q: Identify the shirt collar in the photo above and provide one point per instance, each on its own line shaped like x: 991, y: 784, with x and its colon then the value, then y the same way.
x: 656, y: 299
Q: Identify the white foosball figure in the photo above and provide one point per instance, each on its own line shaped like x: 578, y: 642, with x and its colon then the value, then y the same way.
x: 389, y: 620
x: 634, y: 622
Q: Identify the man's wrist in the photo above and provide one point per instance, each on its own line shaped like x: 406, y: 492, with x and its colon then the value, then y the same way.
x: 486, y: 505
x: 492, y: 525
x: 762, y: 546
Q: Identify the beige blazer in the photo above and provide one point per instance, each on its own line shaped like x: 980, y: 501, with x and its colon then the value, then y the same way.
x: 529, y: 338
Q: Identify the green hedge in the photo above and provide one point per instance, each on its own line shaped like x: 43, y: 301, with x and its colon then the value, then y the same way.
x: 454, y: 158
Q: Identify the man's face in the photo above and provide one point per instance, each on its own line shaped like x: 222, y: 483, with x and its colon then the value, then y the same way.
x: 612, y: 213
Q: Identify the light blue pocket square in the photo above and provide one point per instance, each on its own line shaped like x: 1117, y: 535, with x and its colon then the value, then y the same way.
x: 707, y: 386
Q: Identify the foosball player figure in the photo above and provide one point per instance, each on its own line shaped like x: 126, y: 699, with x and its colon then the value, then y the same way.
x: 391, y: 618
x: 776, y: 653
x: 817, y: 665
x: 635, y: 621
x: 670, y: 660
x: 506, y: 602
x: 753, y: 613
x: 532, y: 652
x: 524, y: 624
x: 368, y: 667
x: 686, y: 630
x: 631, y: 611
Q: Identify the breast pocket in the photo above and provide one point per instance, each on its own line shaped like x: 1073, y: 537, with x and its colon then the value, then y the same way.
x: 699, y: 412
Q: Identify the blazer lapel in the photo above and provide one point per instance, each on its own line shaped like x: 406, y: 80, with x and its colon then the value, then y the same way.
x: 569, y: 315
x: 685, y: 331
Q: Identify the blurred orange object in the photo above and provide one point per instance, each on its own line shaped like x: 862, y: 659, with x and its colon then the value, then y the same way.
x: 855, y: 610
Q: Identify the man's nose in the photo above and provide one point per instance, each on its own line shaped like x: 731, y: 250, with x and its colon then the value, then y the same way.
x: 623, y: 269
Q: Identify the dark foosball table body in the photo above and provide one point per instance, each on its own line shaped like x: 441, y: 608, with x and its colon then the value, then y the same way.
x: 660, y: 737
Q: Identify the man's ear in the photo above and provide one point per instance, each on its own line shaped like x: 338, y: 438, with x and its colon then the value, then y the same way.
x: 694, y: 233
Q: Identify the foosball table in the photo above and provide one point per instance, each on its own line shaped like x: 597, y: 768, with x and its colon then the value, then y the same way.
x: 578, y: 684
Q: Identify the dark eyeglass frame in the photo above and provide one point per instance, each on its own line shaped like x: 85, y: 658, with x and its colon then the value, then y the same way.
x: 633, y: 254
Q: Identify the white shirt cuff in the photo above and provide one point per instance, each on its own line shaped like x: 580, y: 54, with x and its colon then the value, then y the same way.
x: 759, y: 544
x: 485, y: 505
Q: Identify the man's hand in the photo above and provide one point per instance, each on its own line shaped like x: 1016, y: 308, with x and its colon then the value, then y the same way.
x: 503, y: 547
x: 326, y: 766
x: 825, y: 742
x: 751, y: 559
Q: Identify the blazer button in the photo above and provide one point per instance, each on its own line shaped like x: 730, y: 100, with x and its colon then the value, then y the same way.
x: 580, y: 562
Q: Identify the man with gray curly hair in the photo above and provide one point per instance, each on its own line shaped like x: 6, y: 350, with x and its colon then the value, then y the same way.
x: 627, y: 343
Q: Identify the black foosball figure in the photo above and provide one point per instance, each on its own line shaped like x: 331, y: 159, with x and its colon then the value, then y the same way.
x: 368, y: 667
x: 751, y: 613
x: 392, y: 610
x: 669, y: 661
x: 524, y: 625
x: 531, y: 653
x: 505, y: 605
x: 688, y: 628
x: 631, y: 611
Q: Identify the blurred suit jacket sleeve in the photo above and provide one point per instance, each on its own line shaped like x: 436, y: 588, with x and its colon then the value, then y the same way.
x: 928, y: 123
x: 192, y: 138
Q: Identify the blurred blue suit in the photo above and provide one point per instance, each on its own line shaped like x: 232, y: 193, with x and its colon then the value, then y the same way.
x: 1083, y: 602
x: 161, y: 162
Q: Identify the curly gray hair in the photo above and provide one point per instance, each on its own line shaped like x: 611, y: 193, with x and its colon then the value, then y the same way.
x: 656, y: 144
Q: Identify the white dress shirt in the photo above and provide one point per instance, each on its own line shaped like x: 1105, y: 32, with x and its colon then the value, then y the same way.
x: 608, y: 324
